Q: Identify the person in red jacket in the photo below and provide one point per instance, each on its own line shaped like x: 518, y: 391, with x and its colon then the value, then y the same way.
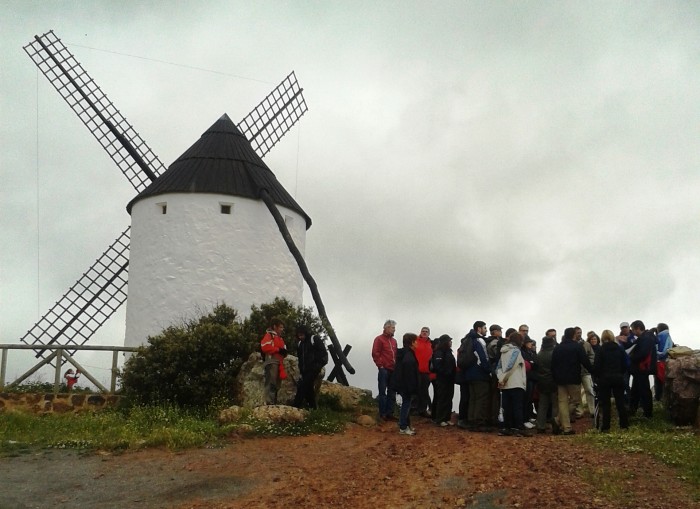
x: 71, y: 378
x: 384, y: 356
x: 424, y: 351
x: 274, y: 351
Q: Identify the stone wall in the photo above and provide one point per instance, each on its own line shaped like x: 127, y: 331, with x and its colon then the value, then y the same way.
x: 56, y: 403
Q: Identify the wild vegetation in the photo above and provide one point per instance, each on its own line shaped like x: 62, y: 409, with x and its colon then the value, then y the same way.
x: 194, y: 364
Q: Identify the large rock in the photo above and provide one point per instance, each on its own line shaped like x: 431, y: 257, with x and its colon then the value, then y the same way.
x: 682, y: 388
x: 250, y: 382
x: 250, y: 391
x: 278, y: 414
x: 349, y: 397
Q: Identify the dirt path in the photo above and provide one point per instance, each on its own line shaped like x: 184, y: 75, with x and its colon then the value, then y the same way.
x: 363, y: 467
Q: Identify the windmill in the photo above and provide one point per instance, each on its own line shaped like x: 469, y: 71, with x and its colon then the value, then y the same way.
x: 101, y: 290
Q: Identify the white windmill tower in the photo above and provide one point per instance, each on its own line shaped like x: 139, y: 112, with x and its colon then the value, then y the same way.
x: 244, y: 190
x: 200, y: 235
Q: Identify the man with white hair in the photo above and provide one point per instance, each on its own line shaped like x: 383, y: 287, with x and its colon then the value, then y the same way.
x: 384, y: 356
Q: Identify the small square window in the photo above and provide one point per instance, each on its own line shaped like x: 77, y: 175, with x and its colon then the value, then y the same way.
x: 225, y: 208
x: 163, y: 207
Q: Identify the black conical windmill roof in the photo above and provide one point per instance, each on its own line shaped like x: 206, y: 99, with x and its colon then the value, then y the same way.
x: 222, y: 162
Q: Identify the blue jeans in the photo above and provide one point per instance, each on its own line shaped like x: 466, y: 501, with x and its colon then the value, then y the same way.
x: 386, y: 397
x: 404, y: 414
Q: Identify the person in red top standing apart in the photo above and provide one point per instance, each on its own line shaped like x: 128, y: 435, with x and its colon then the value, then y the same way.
x: 384, y: 356
x: 274, y: 351
x: 71, y: 378
x: 424, y: 351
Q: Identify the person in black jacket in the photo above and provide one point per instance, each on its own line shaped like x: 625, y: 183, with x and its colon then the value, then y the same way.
x: 405, y: 380
x: 444, y: 367
x: 312, y: 356
x: 609, y: 371
x: 567, y: 359
x: 642, y: 364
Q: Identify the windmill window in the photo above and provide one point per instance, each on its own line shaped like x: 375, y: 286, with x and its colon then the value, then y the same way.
x: 226, y: 208
x: 163, y: 207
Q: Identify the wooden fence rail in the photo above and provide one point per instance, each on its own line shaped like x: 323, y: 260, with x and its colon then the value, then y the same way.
x: 60, y: 355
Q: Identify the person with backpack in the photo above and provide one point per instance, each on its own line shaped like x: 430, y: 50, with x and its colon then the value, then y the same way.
x: 405, y: 381
x: 473, y: 362
x: 443, y: 364
x: 313, y: 357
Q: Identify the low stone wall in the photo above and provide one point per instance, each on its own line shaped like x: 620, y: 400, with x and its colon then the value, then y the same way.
x: 56, y: 403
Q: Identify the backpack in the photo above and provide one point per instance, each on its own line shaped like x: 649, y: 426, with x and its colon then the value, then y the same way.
x: 466, y: 357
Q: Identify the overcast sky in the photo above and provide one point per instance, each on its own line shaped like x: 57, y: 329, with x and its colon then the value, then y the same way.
x: 512, y: 162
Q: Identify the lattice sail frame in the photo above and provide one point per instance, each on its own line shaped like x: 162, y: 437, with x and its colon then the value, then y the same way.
x: 89, y: 302
x: 135, y: 159
x: 101, y: 290
x: 274, y: 116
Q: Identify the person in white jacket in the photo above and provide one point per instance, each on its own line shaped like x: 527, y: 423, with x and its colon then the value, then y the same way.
x: 512, y: 381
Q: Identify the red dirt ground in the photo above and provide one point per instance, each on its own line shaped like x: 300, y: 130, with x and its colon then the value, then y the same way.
x: 360, y: 468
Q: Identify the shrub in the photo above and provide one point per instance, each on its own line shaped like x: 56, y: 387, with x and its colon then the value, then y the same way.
x: 195, y: 364
x: 259, y: 320
x: 188, y: 365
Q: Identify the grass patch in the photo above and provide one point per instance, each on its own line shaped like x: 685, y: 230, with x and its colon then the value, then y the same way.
x: 676, y: 447
x: 141, y: 426
x: 322, y: 421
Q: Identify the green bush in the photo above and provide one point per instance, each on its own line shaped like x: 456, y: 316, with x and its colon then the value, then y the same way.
x: 195, y: 364
x: 259, y: 320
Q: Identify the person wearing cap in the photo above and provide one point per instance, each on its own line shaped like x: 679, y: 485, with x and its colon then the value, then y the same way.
x: 444, y: 366
x: 384, y: 356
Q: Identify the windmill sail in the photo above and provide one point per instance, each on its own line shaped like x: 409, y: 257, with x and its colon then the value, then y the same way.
x: 134, y: 158
x: 89, y: 303
x: 274, y: 116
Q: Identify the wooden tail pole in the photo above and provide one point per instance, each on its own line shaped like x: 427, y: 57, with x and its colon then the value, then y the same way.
x: 272, y: 207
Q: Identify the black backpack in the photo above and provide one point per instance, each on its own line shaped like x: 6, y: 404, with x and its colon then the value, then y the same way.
x: 466, y: 357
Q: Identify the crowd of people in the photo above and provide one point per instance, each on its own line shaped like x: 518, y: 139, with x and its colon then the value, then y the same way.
x: 507, y: 385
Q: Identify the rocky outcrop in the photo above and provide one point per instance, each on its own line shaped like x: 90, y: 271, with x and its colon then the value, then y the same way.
x: 349, y: 397
x: 682, y: 388
x: 277, y: 414
x: 249, y: 389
